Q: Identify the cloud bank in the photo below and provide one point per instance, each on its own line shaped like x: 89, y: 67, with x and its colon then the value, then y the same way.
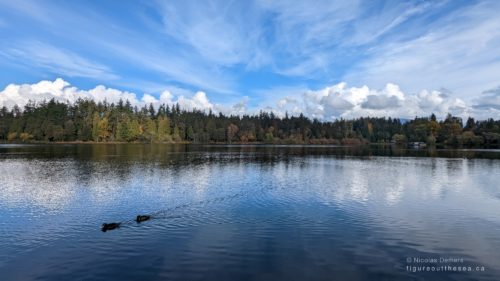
x: 63, y: 91
x: 337, y: 101
x: 340, y: 101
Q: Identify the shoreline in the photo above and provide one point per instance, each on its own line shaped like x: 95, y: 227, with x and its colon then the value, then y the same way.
x: 332, y: 143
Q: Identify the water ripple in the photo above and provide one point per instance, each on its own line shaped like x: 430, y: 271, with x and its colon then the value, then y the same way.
x: 236, y: 213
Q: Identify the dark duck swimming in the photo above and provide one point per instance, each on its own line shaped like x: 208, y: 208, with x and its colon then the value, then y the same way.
x: 109, y: 226
x: 141, y: 218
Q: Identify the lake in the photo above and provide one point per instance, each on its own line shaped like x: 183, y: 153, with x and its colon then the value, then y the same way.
x: 238, y: 212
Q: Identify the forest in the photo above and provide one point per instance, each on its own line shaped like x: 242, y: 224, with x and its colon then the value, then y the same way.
x: 86, y: 120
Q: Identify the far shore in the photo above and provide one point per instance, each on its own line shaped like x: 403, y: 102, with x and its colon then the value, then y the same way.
x: 347, y: 142
x: 282, y: 142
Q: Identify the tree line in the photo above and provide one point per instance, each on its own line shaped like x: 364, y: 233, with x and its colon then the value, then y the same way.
x: 86, y: 120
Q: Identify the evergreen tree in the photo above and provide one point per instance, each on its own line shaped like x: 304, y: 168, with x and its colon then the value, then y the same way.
x: 87, y: 120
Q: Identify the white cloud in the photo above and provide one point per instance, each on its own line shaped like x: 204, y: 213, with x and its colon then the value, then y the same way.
x: 222, y: 32
x: 62, y: 91
x: 56, y: 60
x: 390, y: 97
x: 340, y: 101
x: 239, y: 108
x: 147, y: 98
x: 59, y: 90
x: 380, y: 102
x: 198, y: 101
x: 459, y: 52
x: 488, y: 103
x: 374, y: 25
x: 140, y: 47
x: 187, y: 69
x: 304, y: 33
x: 213, y: 45
x: 293, y: 40
x: 337, y: 101
x: 166, y: 97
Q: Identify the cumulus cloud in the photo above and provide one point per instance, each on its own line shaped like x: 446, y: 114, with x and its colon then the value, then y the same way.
x: 390, y: 97
x: 198, y: 101
x: 430, y: 100
x: 337, y: 101
x: 441, y: 102
x: 380, y: 102
x: 238, y: 108
x: 334, y: 104
x: 340, y: 101
x: 62, y: 91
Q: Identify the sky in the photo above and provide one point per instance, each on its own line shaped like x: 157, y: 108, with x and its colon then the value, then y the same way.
x: 325, y: 59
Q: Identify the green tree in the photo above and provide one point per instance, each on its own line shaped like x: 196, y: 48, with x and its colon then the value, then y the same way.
x: 133, y: 130
x: 69, y: 130
x: 150, y: 132
x: 164, y: 129
x: 57, y: 133
x: 399, y: 139
x: 87, y: 120
x: 103, y: 133
x: 95, y: 126
x: 190, y: 133
x: 176, y: 134
x: 122, y: 129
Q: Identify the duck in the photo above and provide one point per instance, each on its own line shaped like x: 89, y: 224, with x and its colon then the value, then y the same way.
x: 110, y: 226
x: 141, y: 218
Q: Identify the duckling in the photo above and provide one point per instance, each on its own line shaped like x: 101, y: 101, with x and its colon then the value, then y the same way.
x: 110, y: 226
x: 141, y: 218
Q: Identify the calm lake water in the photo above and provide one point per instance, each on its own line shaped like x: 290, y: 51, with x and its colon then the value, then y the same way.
x: 248, y: 213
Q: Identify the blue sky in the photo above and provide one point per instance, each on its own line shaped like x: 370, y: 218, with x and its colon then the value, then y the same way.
x: 327, y: 59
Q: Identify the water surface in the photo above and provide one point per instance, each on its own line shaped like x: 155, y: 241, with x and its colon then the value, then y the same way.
x: 247, y: 212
